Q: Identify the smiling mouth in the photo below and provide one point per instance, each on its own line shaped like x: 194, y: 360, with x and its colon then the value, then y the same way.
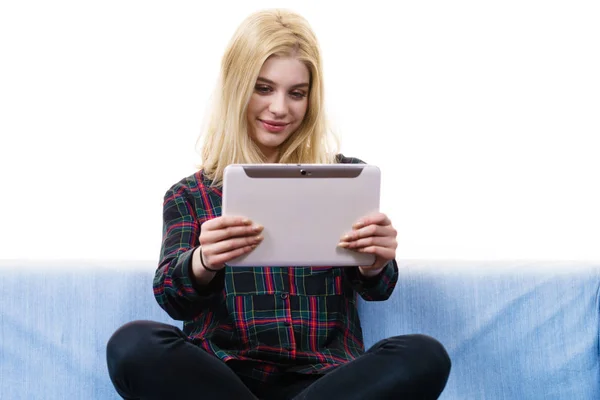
x: 273, y: 127
x: 274, y: 123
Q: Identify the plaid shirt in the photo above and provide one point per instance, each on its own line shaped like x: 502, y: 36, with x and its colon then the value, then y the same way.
x: 271, y: 319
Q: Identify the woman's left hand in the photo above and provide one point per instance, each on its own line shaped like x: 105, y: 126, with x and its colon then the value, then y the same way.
x: 372, y: 234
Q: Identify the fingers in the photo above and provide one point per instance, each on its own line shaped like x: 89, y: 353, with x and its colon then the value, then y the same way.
x: 225, y: 222
x: 379, y: 241
x: 382, y: 253
x: 221, y: 228
x: 224, y: 238
x: 368, y: 231
x: 232, y: 244
x: 372, y: 234
x: 215, y: 236
x: 373, y: 219
x: 218, y: 259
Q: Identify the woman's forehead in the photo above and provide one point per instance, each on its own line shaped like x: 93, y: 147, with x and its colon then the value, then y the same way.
x: 284, y: 71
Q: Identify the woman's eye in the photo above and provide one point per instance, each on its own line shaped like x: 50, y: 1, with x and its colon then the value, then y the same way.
x: 298, y: 95
x: 262, y: 89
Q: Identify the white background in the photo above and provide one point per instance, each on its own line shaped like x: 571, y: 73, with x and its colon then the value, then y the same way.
x: 483, y: 115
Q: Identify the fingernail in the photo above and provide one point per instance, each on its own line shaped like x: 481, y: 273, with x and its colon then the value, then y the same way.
x: 259, y: 238
x: 358, y: 224
x: 257, y: 228
x: 343, y: 244
x: 246, y: 221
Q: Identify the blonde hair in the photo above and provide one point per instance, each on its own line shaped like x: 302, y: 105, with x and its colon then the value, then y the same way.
x: 226, y: 139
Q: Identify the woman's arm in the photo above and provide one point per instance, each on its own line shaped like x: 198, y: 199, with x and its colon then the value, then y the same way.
x: 182, y: 293
x: 374, y: 288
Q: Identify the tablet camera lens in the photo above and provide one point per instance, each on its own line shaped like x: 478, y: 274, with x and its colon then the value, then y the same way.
x: 303, y: 171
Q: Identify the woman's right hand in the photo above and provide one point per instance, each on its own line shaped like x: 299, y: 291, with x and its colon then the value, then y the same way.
x: 225, y: 238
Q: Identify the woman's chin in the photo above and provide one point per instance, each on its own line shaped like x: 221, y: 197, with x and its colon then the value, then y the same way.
x: 271, y: 140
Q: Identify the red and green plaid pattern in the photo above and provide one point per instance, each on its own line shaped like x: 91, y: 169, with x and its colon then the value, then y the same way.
x: 274, y: 319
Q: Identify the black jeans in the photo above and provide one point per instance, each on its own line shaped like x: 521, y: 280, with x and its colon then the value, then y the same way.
x: 151, y: 360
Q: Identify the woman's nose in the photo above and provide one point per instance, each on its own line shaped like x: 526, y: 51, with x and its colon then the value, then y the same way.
x: 278, y: 105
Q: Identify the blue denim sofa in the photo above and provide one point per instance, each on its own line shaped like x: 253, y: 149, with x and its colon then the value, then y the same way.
x: 514, y: 330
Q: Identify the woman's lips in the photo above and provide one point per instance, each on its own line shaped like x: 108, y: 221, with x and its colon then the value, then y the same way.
x: 274, y: 126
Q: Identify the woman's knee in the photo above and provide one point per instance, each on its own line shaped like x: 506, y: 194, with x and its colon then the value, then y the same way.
x: 432, y: 348
x: 430, y: 353
x: 426, y: 364
x: 135, y: 344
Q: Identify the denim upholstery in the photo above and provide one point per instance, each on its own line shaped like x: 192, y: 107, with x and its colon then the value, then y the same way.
x: 514, y: 330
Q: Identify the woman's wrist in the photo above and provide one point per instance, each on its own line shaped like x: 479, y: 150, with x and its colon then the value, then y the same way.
x: 370, y: 272
x: 204, y: 264
x: 202, y: 274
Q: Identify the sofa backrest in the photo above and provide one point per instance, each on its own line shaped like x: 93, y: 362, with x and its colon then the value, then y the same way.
x: 56, y: 318
x: 514, y: 330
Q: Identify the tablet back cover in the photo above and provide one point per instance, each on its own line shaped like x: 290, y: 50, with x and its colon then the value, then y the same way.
x: 305, y: 210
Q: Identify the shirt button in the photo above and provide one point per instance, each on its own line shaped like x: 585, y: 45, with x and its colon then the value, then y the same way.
x: 284, y: 296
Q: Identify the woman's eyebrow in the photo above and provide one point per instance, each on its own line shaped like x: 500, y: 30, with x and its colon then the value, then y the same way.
x: 270, y: 82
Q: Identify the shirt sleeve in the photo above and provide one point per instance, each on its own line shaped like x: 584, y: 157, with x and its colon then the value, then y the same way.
x: 375, y: 288
x: 378, y: 287
x: 175, y: 289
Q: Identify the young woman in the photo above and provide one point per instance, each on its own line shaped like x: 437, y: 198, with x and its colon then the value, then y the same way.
x: 267, y: 333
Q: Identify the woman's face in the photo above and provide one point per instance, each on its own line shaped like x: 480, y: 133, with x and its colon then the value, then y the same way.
x: 278, y: 104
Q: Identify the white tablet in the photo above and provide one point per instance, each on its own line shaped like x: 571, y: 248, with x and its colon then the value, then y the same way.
x: 305, y: 210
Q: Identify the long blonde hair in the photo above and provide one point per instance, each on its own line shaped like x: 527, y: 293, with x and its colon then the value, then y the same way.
x: 226, y: 139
